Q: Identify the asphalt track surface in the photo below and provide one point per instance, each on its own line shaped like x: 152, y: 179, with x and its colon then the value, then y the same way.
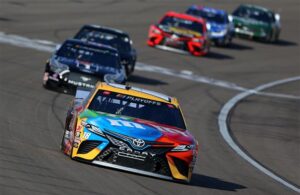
x: 266, y: 127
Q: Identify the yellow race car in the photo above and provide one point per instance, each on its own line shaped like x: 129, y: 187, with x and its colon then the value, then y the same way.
x: 130, y: 129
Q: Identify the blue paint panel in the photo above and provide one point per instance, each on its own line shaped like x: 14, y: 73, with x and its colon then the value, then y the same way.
x: 125, y: 127
x: 97, y: 137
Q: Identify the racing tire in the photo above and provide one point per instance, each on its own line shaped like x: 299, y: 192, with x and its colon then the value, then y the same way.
x: 62, y: 145
x: 271, y: 37
x: 129, y: 69
x: 46, y: 85
x: 227, y: 41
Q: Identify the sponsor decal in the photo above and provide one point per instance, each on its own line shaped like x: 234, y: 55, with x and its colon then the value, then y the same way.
x: 122, y: 123
x: 185, y: 31
x: 137, y: 99
x: 78, y: 127
x: 81, y: 84
x: 170, y: 130
x: 130, y: 124
x: 77, y: 134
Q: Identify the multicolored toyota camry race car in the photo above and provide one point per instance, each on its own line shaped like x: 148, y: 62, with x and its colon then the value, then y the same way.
x: 130, y: 129
x: 82, y: 64
x: 218, y: 23
x: 256, y: 22
x: 114, y: 38
x: 180, y: 33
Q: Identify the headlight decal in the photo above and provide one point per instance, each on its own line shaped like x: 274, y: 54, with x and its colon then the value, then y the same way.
x: 182, y: 148
x: 92, y: 128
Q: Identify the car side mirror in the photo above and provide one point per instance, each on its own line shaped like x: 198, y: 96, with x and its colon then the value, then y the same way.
x: 230, y: 18
x: 57, y: 47
x: 277, y: 17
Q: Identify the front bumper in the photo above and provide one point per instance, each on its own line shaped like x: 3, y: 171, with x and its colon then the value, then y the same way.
x: 155, y: 161
x: 242, y: 31
x: 181, y: 45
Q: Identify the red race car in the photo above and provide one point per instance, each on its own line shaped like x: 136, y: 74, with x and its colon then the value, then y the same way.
x: 180, y: 33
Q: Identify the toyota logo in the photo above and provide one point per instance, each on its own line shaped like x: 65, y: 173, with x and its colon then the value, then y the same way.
x: 138, y: 142
x: 174, y: 36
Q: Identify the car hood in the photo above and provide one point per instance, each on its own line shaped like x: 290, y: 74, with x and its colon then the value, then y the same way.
x: 137, y: 128
x: 216, y: 27
x: 179, y: 31
x: 86, y: 67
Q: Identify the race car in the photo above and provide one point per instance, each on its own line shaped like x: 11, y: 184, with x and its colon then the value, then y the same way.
x: 218, y: 23
x: 130, y: 129
x: 81, y: 64
x: 114, y: 38
x: 256, y: 22
x: 180, y: 33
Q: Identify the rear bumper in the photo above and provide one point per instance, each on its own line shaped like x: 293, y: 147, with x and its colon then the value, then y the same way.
x: 69, y: 81
x: 250, y: 33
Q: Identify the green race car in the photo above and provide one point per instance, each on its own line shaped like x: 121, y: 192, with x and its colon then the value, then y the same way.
x: 256, y: 22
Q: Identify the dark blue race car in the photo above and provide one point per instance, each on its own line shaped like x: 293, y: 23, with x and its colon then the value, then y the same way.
x: 218, y: 23
x: 77, y: 63
x: 113, y: 37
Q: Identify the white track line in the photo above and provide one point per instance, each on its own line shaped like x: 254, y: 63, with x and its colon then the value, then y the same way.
x: 224, y: 130
x: 49, y: 46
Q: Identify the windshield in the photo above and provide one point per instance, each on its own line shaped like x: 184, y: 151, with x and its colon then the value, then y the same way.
x: 120, y: 42
x: 121, y: 104
x: 88, y: 54
x: 182, y: 23
x: 209, y: 16
x: 255, y: 14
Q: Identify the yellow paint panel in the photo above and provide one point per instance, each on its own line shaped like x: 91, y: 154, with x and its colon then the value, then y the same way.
x: 88, y: 156
x: 185, y: 31
x: 176, y: 174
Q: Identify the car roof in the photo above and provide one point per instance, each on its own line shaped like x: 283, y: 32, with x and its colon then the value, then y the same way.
x: 208, y: 9
x: 251, y: 6
x: 105, y: 29
x: 92, y: 45
x: 185, y: 16
x: 137, y: 92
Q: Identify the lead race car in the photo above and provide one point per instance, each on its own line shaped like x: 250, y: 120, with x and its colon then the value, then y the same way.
x: 256, y: 22
x: 180, y: 33
x: 130, y: 129
x: 82, y: 64
x: 113, y: 37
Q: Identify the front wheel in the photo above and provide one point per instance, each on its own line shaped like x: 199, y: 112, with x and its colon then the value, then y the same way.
x: 227, y: 40
x: 65, y: 142
x: 272, y: 37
